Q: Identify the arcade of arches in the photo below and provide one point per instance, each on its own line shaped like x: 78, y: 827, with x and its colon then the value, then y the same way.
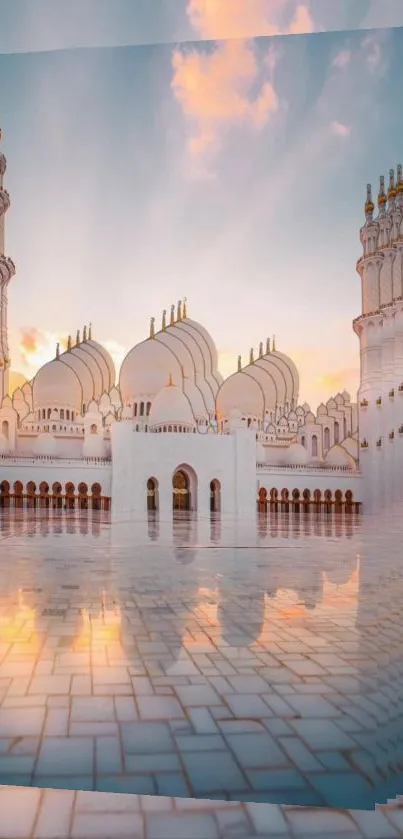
x: 182, y: 500
x: 55, y: 497
x: 267, y: 499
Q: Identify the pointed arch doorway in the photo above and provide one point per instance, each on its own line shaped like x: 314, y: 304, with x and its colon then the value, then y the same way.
x: 181, y: 500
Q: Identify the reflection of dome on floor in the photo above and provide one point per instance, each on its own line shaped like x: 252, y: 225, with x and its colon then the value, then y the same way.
x: 241, y: 626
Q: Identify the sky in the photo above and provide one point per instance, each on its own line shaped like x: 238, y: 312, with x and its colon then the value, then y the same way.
x: 230, y: 171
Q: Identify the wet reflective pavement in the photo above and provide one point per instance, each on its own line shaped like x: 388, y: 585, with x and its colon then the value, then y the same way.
x: 251, y: 662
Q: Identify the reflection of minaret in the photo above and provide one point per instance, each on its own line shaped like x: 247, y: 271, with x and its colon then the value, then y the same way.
x: 7, y: 271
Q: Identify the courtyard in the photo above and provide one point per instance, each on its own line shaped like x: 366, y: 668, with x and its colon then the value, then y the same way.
x: 252, y: 662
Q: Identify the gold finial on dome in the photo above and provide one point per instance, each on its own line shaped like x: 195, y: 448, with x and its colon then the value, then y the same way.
x: 85, y: 334
x: 399, y: 179
x: 69, y: 344
x: 369, y: 204
x: 251, y: 359
x: 382, y: 199
x: 261, y: 349
x: 57, y: 350
x: 179, y: 310
x: 268, y: 346
x: 392, y: 188
x: 89, y: 331
x: 78, y: 338
x: 152, y: 328
x: 164, y: 320
x: 185, y: 311
x: 172, y: 319
x: 274, y: 343
x: 170, y: 382
x: 239, y: 363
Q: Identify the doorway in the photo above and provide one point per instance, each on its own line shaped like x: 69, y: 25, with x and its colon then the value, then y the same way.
x: 181, y: 491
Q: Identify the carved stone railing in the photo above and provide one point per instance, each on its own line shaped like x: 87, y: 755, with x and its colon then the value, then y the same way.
x: 323, y: 470
x: 50, y: 460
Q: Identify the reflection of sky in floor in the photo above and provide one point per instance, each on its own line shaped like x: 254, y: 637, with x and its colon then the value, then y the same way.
x: 256, y: 662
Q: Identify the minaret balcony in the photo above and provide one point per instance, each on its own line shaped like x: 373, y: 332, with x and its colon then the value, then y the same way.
x: 379, y: 401
x: 4, y: 201
x: 7, y: 268
x: 364, y: 444
x: 391, y: 435
x: 364, y: 403
x: 392, y: 393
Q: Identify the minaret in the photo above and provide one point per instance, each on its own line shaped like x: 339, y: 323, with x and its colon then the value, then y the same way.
x: 7, y: 271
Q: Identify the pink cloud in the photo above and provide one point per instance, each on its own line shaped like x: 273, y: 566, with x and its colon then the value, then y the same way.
x: 214, y: 91
x: 340, y: 129
x: 217, y: 19
x: 342, y: 59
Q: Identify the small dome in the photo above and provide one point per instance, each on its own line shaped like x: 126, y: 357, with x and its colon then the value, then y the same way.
x: 242, y: 392
x: 296, y: 455
x: 4, y: 444
x: 94, y: 446
x: 338, y: 456
x: 310, y: 417
x: 45, y: 444
x: 171, y: 406
x: 57, y: 384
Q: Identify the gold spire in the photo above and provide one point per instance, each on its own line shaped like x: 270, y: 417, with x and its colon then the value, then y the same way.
x: 268, y: 346
x: 261, y: 349
x: 392, y: 188
x: 89, y: 331
x: 69, y: 343
x: 170, y: 382
x: 172, y: 319
x: 85, y: 333
x: 78, y: 338
x: 57, y: 350
x: 251, y: 359
x: 399, y: 179
x: 164, y: 320
x: 185, y: 313
x: 382, y: 199
x: 152, y: 328
x: 369, y: 204
x: 179, y: 311
x: 274, y: 343
x: 239, y: 363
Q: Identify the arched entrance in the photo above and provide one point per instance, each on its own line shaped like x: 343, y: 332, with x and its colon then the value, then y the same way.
x: 215, y: 496
x: 152, y: 495
x: 181, y: 491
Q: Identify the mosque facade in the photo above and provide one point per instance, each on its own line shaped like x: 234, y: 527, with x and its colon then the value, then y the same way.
x: 171, y: 434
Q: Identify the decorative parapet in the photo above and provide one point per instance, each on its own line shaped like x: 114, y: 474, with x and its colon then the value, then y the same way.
x: 51, y: 460
x: 323, y: 470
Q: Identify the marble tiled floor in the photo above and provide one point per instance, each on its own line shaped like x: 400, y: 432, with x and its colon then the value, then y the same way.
x: 203, y: 659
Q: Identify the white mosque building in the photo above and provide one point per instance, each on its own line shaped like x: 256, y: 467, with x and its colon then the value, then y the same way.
x: 170, y: 433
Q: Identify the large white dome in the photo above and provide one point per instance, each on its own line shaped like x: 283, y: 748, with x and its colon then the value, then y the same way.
x: 171, y: 407
x: 242, y: 392
x: 146, y: 370
x: 57, y: 384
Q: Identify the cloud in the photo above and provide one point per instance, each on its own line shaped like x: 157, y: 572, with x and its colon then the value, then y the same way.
x: 342, y: 59
x: 214, y: 19
x: 220, y: 89
x: 37, y: 348
x: 116, y: 351
x: 340, y: 129
x: 336, y: 381
x: 228, y: 86
x: 374, y: 54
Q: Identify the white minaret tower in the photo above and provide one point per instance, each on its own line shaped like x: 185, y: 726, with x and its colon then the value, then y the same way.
x: 380, y: 330
x: 7, y: 271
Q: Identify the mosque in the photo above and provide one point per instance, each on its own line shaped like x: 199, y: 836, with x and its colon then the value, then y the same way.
x: 170, y: 434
